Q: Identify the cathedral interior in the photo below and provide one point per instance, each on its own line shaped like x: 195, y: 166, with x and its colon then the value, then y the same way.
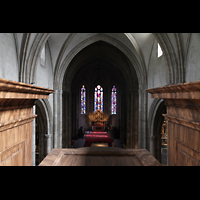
x: 105, y: 72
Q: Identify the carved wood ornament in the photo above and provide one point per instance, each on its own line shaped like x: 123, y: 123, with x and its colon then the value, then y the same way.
x: 98, y: 117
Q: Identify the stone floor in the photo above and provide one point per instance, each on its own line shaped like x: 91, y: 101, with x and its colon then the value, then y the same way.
x: 164, y: 159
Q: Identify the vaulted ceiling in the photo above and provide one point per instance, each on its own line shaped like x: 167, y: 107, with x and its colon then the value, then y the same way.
x: 63, y: 46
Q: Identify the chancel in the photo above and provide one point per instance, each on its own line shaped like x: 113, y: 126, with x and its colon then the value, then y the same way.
x: 99, y: 99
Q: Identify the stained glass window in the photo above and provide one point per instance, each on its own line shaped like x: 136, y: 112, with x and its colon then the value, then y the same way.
x: 83, y: 100
x: 114, y: 100
x: 98, y: 98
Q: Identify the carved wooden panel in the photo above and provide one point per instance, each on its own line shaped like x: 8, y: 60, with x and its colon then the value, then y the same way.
x: 13, y: 155
x: 16, y: 116
x: 183, y: 116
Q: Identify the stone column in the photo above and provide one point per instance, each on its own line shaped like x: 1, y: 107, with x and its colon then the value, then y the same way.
x: 132, y: 123
x: 41, y: 144
x: 142, y: 119
x: 55, y: 118
x: 152, y: 145
x: 122, y: 127
x: 60, y: 119
x: 128, y: 133
x: 134, y: 118
x: 49, y: 142
x: 68, y: 120
x: 57, y: 101
x: 67, y: 123
x: 33, y: 139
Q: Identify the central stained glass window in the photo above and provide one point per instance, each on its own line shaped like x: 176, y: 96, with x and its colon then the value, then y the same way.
x: 98, y: 98
x: 114, y: 101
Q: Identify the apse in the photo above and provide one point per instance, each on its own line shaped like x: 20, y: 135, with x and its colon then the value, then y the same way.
x: 98, y: 67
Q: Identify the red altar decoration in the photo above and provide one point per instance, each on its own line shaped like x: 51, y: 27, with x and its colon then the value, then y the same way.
x: 98, y: 137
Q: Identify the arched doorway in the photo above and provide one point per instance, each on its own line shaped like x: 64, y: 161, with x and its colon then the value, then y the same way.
x: 43, y: 130
x: 99, y: 73
x: 160, y: 133
x: 101, y: 64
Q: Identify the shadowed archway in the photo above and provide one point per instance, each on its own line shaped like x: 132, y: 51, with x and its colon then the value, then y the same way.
x: 96, y: 65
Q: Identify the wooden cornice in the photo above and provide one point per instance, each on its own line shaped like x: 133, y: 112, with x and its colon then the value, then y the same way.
x: 17, y: 90
x: 179, y: 91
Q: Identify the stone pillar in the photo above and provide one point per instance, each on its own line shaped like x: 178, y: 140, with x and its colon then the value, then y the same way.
x: 152, y: 145
x: 49, y: 142
x: 66, y: 140
x: 60, y: 119
x: 69, y: 120
x: 33, y: 139
x: 142, y: 119
x: 55, y: 118
x: 57, y: 101
x: 41, y: 144
x: 122, y: 127
x: 132, y: 120
x: 128, y: 133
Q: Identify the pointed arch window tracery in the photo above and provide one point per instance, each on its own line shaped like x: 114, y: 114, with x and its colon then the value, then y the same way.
x: 98, y: 98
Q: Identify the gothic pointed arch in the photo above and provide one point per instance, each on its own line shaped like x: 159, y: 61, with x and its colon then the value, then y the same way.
x: 29, y: 54
x: 154, y: 126
x: 45, y: 127
x: 175, y: 68
x: 74, y: 71
x: 60, y: 70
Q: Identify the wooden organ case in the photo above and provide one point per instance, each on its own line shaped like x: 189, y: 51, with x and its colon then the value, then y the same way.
x: 16, y: 117
x: 183, y: 117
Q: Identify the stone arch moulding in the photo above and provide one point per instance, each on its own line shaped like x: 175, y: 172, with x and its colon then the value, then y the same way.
x: 28, y: 61
x: 179, y: 44
x: 44, y: 105
x: 152, y: 115
x: 22, y: 56
x: 176, y: 71
x: 60, y: 70
x: 140, y: 73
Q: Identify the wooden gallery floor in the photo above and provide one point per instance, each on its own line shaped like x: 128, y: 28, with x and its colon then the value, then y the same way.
x: 99, y: 156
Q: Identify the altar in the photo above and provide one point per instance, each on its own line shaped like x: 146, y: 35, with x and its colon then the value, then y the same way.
x: 98, y: 119
x: 98, y: 136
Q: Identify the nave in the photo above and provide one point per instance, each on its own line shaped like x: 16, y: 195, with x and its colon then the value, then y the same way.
x: 51, y: 84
